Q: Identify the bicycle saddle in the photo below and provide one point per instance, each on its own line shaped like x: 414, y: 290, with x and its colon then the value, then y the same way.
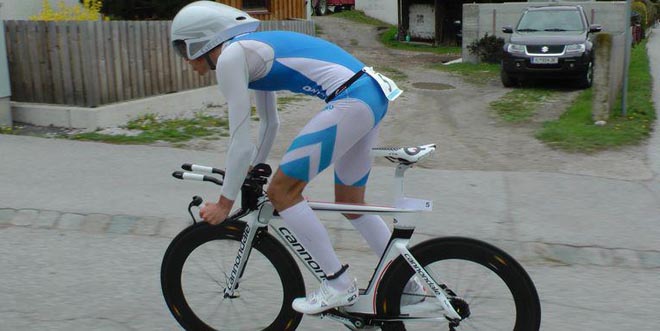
x: 404, y: 155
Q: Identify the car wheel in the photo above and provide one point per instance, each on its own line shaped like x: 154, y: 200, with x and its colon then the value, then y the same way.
x: 507, y: 80
x: 587, y: 78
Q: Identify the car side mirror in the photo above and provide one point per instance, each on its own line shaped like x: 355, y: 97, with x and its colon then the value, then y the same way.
x: 507, y: 29
x: 595, y: 28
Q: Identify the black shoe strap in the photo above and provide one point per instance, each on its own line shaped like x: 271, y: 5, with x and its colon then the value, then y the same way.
x: 338, y: 273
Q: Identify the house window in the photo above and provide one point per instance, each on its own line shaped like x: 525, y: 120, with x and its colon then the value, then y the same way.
x: 255, y: 4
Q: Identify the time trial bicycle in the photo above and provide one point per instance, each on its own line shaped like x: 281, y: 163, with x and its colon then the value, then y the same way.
x: 242, y: 274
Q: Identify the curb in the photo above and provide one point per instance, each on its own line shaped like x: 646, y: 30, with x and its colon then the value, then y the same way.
x: 116, y: 114
x: 343, y: 238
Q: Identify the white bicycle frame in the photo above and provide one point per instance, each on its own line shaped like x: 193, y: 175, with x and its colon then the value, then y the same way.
x: 366, y: 303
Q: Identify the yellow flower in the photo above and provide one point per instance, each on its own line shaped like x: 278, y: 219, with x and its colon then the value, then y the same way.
x: 89, y: 11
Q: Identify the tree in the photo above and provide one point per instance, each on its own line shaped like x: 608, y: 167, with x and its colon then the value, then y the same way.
x: 143, y: 9
x: 89, y: 10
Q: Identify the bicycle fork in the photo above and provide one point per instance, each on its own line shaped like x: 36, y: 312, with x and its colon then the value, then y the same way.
x: 439, y: 290
x: 242, y: 256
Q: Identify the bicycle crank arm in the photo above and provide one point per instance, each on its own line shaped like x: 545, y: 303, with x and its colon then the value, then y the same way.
x: 380, y: 321
x: 351, y: 322
x: 437, y: 289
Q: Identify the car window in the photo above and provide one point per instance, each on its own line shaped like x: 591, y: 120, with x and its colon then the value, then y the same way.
x: 547, y: 20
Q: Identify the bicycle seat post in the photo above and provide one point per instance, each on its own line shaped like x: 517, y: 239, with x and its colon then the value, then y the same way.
x: 399, y: 187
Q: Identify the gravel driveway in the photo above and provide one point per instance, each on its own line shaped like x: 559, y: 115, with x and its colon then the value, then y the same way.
x: 458, y: 119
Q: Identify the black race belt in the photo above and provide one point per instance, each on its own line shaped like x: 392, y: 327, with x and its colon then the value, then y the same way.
x: 344, y: 86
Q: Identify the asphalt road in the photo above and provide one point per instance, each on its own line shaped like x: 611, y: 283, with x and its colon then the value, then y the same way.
x: 83, y: 227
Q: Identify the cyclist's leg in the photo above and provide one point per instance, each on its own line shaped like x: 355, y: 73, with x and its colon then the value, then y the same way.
x: 285, y: 192
x: 327, y: 137
x: 329, y: 134
x: 351, y: 175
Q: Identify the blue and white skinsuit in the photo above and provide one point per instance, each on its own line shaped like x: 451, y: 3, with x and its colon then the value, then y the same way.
x: 342, y: 134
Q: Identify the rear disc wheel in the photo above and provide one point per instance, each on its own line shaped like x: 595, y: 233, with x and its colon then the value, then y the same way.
x: 492, y: 291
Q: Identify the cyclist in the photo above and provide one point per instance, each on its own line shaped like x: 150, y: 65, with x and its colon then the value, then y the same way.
x: 213, y: 36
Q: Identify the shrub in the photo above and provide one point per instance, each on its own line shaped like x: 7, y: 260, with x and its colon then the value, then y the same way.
x: 89, y: 11
x: 651, y: 11
x: 640, y: 8
x: 489, y: 48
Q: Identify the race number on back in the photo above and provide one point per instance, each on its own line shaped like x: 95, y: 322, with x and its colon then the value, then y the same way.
x: 387, y: 85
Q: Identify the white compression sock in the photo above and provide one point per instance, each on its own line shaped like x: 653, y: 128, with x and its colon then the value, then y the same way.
x: 302, y: 221
x: 374, y: 230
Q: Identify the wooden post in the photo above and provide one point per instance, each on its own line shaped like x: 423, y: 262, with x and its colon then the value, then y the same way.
x: 31, y: 44
x: 54, y: 51
x: 110, y: 61
x: 125, y: 71
x: 101, y: 64
x: 89, y: 64
x: 438, y: 38
x: 139, y: 58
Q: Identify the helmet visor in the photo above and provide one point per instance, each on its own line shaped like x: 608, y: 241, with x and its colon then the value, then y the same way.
x: 191, y: 49
x: 181, y: 48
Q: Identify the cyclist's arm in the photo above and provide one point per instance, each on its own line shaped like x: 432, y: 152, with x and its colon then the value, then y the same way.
x: 269, y: 123
x: 232, y: 75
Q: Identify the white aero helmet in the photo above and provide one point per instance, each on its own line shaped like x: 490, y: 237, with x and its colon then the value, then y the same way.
x: 203, y: 25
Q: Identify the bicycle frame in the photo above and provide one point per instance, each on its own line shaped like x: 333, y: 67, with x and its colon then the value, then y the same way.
x: 398, y: 245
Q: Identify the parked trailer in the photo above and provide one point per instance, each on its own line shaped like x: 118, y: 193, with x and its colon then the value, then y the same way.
x: 323, y: 7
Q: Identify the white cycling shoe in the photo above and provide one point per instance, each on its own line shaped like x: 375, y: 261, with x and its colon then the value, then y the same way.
x: 326, y: 298
x: 414, y: 292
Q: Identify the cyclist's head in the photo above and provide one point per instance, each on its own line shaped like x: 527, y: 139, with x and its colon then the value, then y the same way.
x: 201, y: 26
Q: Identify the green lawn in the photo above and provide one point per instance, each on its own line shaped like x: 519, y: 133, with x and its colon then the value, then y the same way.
x: 575, y: 130
x: 150, y: 128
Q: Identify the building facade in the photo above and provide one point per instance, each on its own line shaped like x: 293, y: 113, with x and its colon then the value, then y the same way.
x: 269, y: 10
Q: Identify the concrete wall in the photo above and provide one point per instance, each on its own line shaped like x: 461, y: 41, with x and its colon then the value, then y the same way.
x: 23, y: 9
x: 479, y: 19
x: 384, y: 10
x: 5, y: 86
x: 616, y: 67
x: 422, y: 21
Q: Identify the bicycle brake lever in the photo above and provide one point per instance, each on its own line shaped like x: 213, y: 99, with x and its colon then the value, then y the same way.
x: 196, y: 201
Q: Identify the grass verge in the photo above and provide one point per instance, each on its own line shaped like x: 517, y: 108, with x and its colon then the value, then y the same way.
x: 575, y: 131
x: 389, y: 39
x: 6, y: 130
x: 520, y: 105
x: 150, y: 128
x: 473, y: 73
x: 359, y: 17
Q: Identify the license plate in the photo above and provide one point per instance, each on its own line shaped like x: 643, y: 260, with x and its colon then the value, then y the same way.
x: 545, y: 60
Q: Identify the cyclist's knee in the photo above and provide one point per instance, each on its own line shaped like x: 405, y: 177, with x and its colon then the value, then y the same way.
x: 285, y: 191
x: 349, y: 194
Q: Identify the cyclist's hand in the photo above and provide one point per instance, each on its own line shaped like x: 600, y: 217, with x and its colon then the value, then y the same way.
x: 216, y: 213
